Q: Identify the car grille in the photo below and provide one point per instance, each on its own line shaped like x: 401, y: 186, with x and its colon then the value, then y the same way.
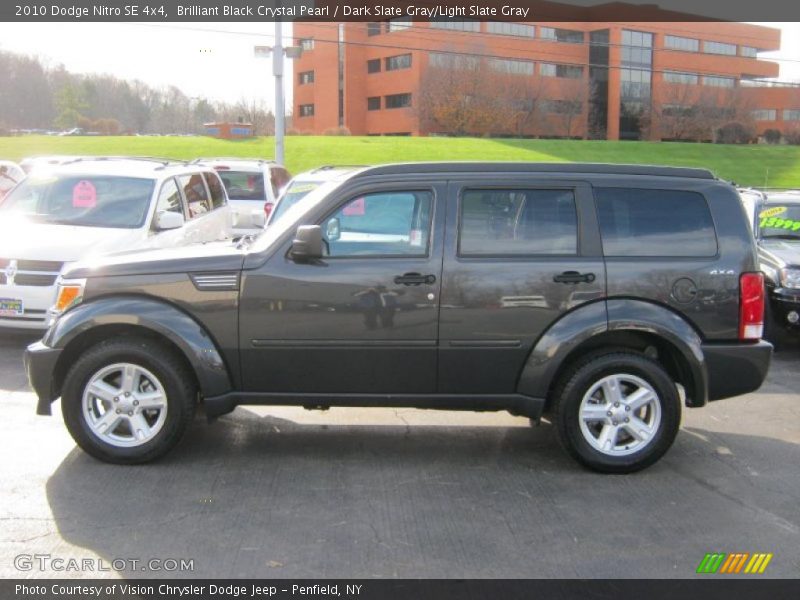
x: 37, y: 273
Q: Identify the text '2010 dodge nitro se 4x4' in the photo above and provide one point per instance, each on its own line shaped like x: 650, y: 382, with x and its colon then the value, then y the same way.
x: 604, y: 296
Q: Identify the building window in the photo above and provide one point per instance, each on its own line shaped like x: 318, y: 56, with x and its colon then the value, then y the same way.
x: 715, y: 81
x: 568, y: 36
x: 511, y: 67
x: 306, y: 110
x: 677, y: 110
x: 307, y: 44
x: 399, y: 24
x: 443, y: 60
x: 374, y: 65
x: 684, y: 78
x: 719, y: 48
x: 748, y: 51
x: 791, y: 114
x: 562, y: 107
x: 564, y: 71
x: 374, y: 103
x: 374, y: 28
x: 394, y: 63
x: 637, y: 48
x: 681, y: 43
x: 306, y: 77
x: 765, y: 114
x: 513, y: 29
x: 398, y: 101
x: 457, y: 25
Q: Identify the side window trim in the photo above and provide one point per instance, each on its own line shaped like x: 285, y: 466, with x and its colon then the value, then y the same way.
x: 578, y: 189
x: 394, y: 189
x: 188, y: 213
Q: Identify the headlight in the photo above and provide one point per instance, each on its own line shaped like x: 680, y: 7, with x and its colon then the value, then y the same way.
x: 70, y: 293
x: 790, y: 278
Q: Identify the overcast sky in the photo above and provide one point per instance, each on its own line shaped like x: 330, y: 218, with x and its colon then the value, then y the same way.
x: 217, y: 65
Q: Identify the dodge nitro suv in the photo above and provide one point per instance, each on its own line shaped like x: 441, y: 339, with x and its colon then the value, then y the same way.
x: 604, y: 297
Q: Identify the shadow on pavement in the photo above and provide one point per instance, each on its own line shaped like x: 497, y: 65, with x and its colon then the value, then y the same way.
x: 265, y: 497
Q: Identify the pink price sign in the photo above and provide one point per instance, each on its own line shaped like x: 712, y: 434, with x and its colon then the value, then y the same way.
x: 84, y: 195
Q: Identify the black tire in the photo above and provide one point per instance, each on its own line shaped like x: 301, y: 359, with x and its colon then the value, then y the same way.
x: 578, y: 380
x: 178, y: 383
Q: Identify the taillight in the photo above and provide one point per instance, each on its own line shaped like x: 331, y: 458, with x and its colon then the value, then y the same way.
x: 751, y: 306
x: 268, y: 209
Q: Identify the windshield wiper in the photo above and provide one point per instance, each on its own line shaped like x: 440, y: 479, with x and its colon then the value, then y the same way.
x: 783, y: 236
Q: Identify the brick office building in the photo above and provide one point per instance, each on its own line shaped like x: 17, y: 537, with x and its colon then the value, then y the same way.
x: 622, y: 80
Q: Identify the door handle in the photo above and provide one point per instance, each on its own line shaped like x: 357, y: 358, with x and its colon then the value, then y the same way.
x: 415, y: 279
x: 574, y: 277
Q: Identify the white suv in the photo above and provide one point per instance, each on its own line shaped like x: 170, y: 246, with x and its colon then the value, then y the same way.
x: 253, y: 186
x: 91, y: 206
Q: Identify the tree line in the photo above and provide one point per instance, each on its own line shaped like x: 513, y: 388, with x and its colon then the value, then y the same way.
x: 37, y: 96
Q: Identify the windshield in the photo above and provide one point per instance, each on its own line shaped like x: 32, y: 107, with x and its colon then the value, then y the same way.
x: 292, y: 216
x: 296, y: 191
x: 243, y: 185
x: 85, y: 200
x: 779, y: 220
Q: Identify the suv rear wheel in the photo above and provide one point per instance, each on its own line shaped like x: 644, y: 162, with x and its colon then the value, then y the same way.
x: 128, y: 401
x: 617, y: 412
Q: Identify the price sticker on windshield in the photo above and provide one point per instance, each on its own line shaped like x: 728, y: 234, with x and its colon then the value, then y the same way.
x: 84, y: 195
x: 779, y: 223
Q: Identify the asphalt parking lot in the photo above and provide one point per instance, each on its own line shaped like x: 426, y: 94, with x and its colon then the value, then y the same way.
x: 401, y: 493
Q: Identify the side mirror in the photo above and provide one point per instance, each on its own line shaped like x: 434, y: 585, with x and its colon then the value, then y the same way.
x: 333, y: 230
x: 166, y: 220
x: 307, y: 244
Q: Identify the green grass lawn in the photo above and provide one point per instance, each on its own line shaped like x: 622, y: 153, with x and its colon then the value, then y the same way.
x: 778, y: 166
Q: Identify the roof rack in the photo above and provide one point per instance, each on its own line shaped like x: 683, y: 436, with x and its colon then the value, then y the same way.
x: 165, y: 162
x: 330, y: 167
x: 536, y: 167
x: 261, y: 161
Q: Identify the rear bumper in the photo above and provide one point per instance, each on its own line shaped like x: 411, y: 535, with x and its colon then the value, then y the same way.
x: 40, y: 364
x: 736, y: 369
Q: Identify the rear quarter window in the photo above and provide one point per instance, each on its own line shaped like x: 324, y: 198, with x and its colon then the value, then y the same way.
x: 648, y: 222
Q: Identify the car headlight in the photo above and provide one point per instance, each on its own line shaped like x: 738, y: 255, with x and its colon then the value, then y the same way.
x: 70, y: 293
x: 790, y: 278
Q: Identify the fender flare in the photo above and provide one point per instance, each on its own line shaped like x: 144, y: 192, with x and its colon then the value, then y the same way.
x: 614, y: 315
x: 189, y: 336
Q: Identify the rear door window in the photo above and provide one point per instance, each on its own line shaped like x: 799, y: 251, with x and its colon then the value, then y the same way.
x: 196, y: 194
x: 649, y: 222
x: 216, y: 189
x: 518, y: 222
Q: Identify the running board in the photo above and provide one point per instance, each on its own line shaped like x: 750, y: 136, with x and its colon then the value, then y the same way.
x: 516, y: 404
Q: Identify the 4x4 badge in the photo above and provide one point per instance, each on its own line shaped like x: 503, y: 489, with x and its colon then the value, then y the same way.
x: 11, y: 272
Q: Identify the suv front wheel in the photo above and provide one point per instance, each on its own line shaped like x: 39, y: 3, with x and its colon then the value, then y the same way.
x: 617, y: 412
x: 128, y: 401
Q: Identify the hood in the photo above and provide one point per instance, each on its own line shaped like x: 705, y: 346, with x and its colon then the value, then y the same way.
x: 193, y: 258
x: 23, y: 239
x: 779, y: 253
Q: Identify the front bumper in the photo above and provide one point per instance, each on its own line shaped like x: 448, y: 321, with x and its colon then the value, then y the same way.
x: 736, y: 369
x: 782, y: 302
x: 36, y: 301
x: 40, y: 365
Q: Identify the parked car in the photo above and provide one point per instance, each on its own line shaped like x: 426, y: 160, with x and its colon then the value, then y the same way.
x: 10, y: 175
x: 775, y: 220
x: 300, y: 185
x: 644, y: 278
x: 89, y: 207
x: 253, y: 186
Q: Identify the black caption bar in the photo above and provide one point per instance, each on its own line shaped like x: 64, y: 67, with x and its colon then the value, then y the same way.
x: 372, y: 10
x: 707, y: 589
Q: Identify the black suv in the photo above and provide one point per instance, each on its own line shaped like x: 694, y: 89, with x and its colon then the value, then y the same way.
x: 604, y: 296
x: 775, y: 219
